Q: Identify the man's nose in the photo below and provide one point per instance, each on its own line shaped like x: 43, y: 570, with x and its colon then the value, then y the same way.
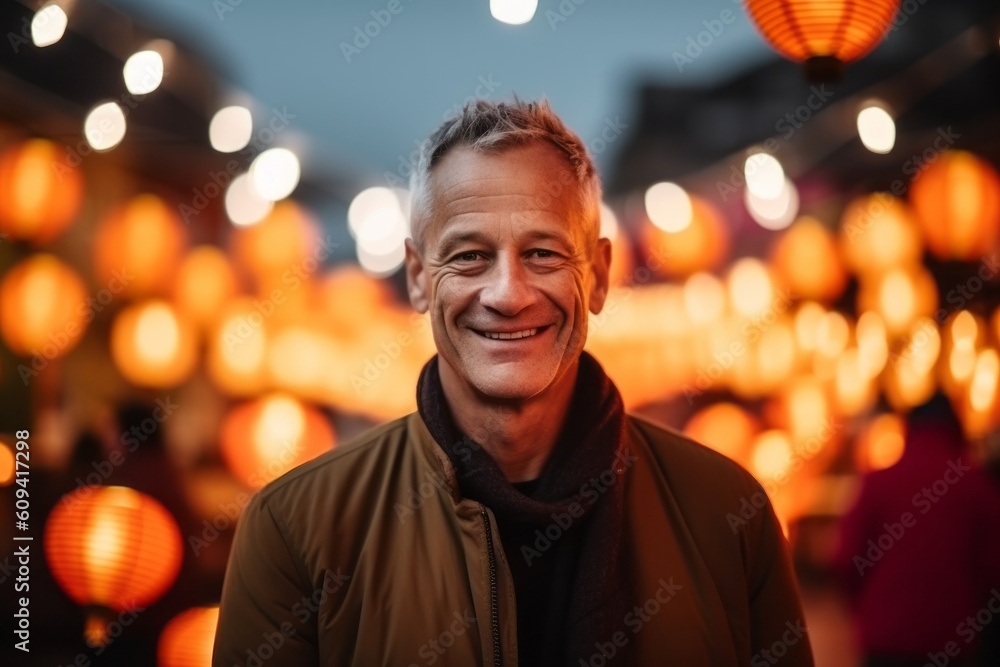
x: 508, y: 290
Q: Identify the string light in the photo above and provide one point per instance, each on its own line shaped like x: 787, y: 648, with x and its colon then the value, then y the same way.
x: 48, y: 25
x: 668, y: 207
x: 513, y: 12
x: 104, y: 126
x: 876, y: 129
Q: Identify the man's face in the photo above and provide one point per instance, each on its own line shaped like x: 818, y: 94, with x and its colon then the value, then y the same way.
x: 506, y: 271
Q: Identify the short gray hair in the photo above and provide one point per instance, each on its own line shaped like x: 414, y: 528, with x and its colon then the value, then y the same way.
x: 486, y: 126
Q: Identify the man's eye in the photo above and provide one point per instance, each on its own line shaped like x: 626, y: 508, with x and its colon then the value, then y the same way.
x: 542, y: 253
x: 470, y: 256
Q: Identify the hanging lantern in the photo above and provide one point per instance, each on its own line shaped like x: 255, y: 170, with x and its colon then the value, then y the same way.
x: 111, y: 548
x: 351, y: 300
x: 188, y: 639
x: 979, y: 402
x: 803, y: 408
x: 772, y: 455
x: 701, y: 245
x: 823, y: 34
x: 237, y: 349
x: 43, y: 307
x: 140, y: 244
x: 263, y: 439
x: 899, y: 297
x: 152, y: 346
x: 769, y: 363
x: 205, y: 283
x: 300, y: 358
x: 962, y: 337
x: 854, y: 388
x: 40, y: 192
x: 806, y: 261
x: 284, y: 244
x: 957, y: 201
x: 878, y: 232
x: 909, y: 380
x: 881, y: 443
x: 7, y: 463
x: 725, y: 427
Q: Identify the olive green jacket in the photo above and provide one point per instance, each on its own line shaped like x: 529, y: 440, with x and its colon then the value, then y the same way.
x: 368, y: 556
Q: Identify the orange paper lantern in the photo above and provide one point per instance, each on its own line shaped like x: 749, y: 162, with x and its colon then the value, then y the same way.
x: 881, y: 443
x: 726, y: 428
x: 282, y: 248
x: 205, y: 283
x: 40, y: 192
x: 7, y: 464
x: 237, y: 348
x: 824, y: 34
x: 265, y: 438
x: 957, y: 201
x: 43, y: 307
x: 112, y: 547
x: 350, y: 300
x: 188, y: 639
x: 152, y: 345
x: 701, y: 246
x: 899, y: 297
x: 806, y: 260
x: 140, y: 244
x: 879, y: 232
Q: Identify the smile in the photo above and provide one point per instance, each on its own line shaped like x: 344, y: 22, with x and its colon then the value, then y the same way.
x: 512, y: 335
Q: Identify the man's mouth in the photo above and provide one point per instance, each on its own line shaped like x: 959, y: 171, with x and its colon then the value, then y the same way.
x: 510, y: 335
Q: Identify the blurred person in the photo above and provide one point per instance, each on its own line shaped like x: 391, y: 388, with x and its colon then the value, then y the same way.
x: 519, y: 516
x: 919, y: 551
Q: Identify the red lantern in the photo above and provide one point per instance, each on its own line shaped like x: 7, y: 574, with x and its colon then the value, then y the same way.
x: 152, y: 345
x: 188, y: 639
x: 112, y: 547
x: 43, y: 307
x: 205, y: 283
x: 285, y: 244
x: 957, y: 201
x: 40, y: 192
x: 805, y: 259
x: 702, y: 245
x: 140, y: 244
x: 824, y: 34
x: 878, y: 233
x: 266, y: 438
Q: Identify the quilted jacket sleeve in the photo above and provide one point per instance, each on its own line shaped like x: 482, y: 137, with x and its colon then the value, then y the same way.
x: 265, y: 616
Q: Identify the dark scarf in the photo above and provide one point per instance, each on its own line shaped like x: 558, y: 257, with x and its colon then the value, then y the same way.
x: 591, y: 442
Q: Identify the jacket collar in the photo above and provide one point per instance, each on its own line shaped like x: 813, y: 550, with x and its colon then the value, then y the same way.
x: 435, y: 457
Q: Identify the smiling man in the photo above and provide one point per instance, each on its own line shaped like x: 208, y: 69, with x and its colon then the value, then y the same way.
x: 520, y: 516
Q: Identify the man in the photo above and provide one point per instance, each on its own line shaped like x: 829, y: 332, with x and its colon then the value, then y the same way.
x: 519, y: 517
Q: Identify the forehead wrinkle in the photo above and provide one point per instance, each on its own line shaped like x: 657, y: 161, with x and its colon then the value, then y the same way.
x: 464, y: 203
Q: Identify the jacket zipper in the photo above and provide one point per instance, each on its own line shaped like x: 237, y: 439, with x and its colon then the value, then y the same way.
x: 494, y: 599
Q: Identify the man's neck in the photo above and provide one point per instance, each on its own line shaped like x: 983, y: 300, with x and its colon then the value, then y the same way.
x: 519, y: 435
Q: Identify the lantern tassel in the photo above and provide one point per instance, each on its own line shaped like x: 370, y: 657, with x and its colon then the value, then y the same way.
x: 95, y: 630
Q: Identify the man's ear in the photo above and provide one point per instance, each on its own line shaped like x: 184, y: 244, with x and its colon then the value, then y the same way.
x: 416, y: 278
x: 600, y: 266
